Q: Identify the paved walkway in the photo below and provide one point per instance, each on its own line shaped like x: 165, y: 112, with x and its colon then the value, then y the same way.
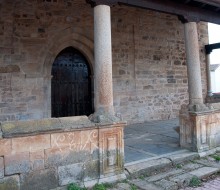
x: 211, y: 185
x: 151, y: 139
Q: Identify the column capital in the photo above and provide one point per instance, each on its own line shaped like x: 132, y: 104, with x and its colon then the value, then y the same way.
x: 94, y: 3
x: 188, y: 18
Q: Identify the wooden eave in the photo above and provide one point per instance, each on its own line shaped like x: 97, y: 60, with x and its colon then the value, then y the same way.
x: 187, y: 10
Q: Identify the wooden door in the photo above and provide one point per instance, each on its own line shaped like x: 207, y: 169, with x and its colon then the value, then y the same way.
x: 71, y: 85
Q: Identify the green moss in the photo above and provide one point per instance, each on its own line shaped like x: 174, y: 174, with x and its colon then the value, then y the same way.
x: 216, y: 157
x: 133, y: 187
x: 74, y: 186
x: 195, y: 182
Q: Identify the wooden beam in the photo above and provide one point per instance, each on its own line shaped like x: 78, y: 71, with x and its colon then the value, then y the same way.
x: 188, y: 12
x: 215, y: 3
x: 209, y: 48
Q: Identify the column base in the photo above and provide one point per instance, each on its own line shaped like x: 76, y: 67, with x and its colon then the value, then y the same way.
x: 199, y: 131
x: 104, y: 117
x: 209, y: 94
x: 199, y: 108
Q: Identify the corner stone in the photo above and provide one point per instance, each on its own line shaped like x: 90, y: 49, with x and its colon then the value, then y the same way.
x: 11, y: 183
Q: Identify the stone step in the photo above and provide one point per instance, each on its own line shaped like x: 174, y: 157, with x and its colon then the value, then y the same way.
x: 172, y: 180
x: 145, y: 185
x: 184, y: 179
x: 148, y: 166
x: 164, y: 175
x: 204, y: 172
x: 156, y: 163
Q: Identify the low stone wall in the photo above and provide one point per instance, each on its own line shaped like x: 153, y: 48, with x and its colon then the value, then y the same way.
x: 200, y: 131
x: 49, y: 153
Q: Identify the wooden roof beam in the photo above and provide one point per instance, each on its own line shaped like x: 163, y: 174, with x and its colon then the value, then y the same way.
x: 189, y: 13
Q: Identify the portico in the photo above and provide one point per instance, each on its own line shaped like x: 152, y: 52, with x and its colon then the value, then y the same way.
x: 147, y: 62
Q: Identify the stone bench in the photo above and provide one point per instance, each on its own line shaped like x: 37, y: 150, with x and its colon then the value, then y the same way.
x: 51, y: 153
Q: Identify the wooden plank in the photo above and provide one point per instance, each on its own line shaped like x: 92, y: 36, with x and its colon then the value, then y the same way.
x: 188, y: 12
x: 215, y: 3
x: 211, y: 47
x: 184, y: 10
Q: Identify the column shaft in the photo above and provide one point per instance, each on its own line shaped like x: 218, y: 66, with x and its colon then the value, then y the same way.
x: 208, y: 74
x: 103, y: 59
x: 193, y: 64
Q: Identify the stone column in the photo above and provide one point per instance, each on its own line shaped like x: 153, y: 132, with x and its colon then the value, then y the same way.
x: 193, y: 66
x: 104, y: 110
x: 209, y: 85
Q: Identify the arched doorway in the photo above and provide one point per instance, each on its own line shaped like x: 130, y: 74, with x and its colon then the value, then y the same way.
x: 71, y: 93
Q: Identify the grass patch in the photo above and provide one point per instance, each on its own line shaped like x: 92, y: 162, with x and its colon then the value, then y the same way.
x: 179, y: 166
x: 74, y: 186
x: 195, y: 182
x: 133, y: 187
x: 103, y: 186
x: 143, y: 176
x: 216, y: 157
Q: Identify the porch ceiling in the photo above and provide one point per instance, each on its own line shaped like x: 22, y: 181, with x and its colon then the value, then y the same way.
x: 187, y: 10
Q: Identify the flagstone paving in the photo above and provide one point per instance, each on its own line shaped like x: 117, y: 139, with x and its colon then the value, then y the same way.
x: 151, y: 139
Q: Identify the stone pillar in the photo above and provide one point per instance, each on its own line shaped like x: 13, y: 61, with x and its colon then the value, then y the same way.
x: 104, y: 111
x: 193, y: 67
x: 209, y: 85
x: 193, y: 130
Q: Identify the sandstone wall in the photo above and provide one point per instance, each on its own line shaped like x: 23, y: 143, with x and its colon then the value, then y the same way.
x: 51, y: 153
x: 149, y: 68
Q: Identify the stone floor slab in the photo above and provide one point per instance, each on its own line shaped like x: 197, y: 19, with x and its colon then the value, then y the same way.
x: 151, y: 138
x: 144, y: 185
x: 182, y: 180
x: 164, y: 175
x: 204, y: 172
x: 167, y: 185
x: 133, y: 155
x: 192, y: 166
x: 148, y: 165
x: 187, y: 156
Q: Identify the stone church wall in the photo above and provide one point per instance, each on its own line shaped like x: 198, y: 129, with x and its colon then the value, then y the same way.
x: 149, y: 66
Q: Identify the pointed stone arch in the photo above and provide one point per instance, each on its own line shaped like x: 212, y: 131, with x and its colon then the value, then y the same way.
x: 56, y: 45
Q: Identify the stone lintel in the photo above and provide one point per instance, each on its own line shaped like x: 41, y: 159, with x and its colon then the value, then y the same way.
x: 94, y: 3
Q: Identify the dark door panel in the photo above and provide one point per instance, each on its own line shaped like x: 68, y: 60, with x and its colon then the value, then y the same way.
x: 71, y: 85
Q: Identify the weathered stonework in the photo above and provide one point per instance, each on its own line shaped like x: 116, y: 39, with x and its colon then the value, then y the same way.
x: 10, y: 182
x: 1, y: 167
x: 148, y: 53
x: 79, y: 152
x: 200, y: 131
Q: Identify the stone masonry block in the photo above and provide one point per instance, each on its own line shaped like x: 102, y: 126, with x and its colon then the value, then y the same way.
x: 66, y: 156
x: 37, y: 160
x: 10, y: 183
x: 1, y: 167
x: 70, y: 173
x: 5, y: 146
x: 39, y: 180
x: 32, y: 143
x: 17, y: 163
